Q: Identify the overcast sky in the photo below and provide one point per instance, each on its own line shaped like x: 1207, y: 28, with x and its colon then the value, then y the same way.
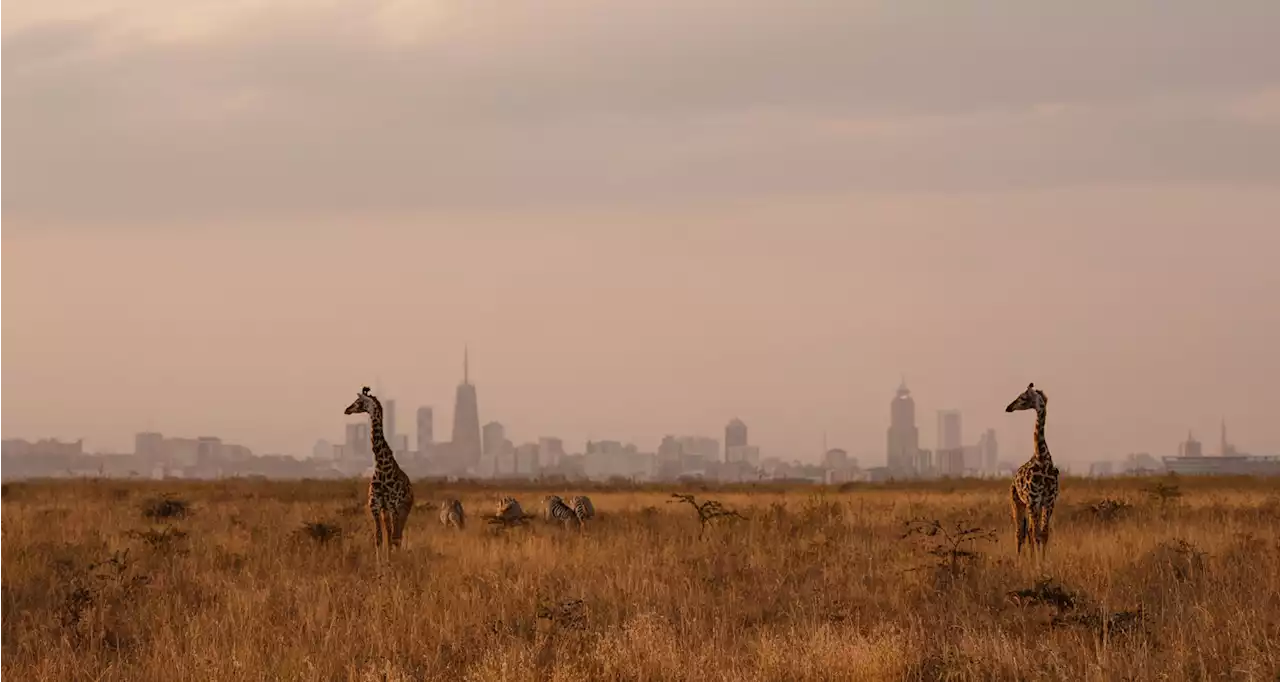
x: 225, y: 217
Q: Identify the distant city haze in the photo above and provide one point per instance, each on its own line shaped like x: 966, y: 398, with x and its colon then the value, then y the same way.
x: 644, y: 219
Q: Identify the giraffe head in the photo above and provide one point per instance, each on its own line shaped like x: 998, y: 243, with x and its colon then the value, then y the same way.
x: 364, y: 403
x: 1031, y: 399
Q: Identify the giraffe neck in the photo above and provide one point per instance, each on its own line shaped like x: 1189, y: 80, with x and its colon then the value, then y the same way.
x: 381, y: 450
x: 1041, y: 446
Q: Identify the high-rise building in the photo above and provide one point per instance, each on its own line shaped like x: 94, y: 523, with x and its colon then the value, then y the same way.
x: 526, y: 460
x: 1191, y: 447
x: 400, y: 443
x: 835, y: 458
x: 951, y: 462
x: 148, y: 445
x: 703, y: 447
x: 466, y: 446
x: 1225, y: 448
x: 669, y: 449
x: 949, y: 436
x: 389, y: 422
x: 735, y: 435
x: 493, y: 436
x: 746, y: 454
x: 550, y: 451
x: 426, y: 429
x: 903, y: 456
x: 990, y: 451
x: 323, y: 450
x: 357, y: 441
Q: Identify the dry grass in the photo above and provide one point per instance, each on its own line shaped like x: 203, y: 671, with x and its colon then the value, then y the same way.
x: 278, y: 581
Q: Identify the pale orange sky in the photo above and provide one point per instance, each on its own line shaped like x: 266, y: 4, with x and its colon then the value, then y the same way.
x: 223, y: 219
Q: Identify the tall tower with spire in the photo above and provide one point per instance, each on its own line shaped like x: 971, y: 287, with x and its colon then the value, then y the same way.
x: 465, y: 447
x: 903, y: 438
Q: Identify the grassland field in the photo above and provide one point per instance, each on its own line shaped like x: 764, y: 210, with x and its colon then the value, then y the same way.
x: 1144, y: 579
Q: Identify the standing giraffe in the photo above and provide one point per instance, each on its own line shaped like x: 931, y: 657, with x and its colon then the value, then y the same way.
x: 1035, y: 485
x: 390, y: 490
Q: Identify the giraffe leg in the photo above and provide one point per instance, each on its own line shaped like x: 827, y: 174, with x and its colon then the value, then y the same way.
x: 389, y: 523
x: 1035, y: 514
x: 1020, y: 517
x: 398, y: 521
x: 1045, y: 515
x: 377, y: 527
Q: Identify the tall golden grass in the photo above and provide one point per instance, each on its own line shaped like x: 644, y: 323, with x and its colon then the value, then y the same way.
x: 813, y: 584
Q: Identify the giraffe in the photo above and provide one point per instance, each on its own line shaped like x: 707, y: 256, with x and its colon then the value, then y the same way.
x: 1035, y: 485
x: 390, y: 490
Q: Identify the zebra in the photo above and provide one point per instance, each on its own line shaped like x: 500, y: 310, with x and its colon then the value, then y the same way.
x: 509, y: 510
x: 557, y: 510
x: 582, y: 505
x: 546, y: 508
x: 451, y: 514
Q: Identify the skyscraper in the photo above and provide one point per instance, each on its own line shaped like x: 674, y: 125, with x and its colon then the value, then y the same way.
x: 357, y: 440
x: 389, y: 422
x: 1225, y: 448
x: 550, y: 451
x: 466, y: 420
x: 949, y: 436
x: 494, y: 436
x: 735, y: 435
x: 990, y: 451
x: 426, y: 429
x: 903, y: 437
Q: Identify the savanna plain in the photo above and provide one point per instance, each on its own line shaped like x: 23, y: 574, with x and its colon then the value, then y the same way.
x: 1144, y: 579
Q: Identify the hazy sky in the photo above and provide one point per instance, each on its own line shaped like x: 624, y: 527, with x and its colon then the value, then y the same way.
x: 223, y: 218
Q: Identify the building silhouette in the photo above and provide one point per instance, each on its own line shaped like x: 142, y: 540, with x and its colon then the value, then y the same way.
x: 949, y: 435
x: 357, y: 441
x: 426, y: 429
x: 735, y: 436
x: 903, y: 438
x: 389, y: 423
x: 1190, y: 447
x: 990, y: 451
x: 550, y: 451
x: 466, y: 444
x: 1225, y: 448
x: 493, y: 437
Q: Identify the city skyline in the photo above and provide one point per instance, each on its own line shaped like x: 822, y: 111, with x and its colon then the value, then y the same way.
x: 913, y: 440
x: 639, y: 230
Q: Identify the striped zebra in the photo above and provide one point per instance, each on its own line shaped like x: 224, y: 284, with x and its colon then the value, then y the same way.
x: 546, y: 508
x: 557, y: 510
x: 582, y: 505
x: 509, y: 510
x: 451, y: 514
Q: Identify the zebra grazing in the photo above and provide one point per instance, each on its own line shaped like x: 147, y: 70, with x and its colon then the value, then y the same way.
x: 557, y: 510
x: 451, y: 514
x: 509, y: 510
x: 582, y: 505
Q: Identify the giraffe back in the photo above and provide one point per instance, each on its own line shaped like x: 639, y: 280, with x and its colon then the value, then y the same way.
x: 1036, y: 483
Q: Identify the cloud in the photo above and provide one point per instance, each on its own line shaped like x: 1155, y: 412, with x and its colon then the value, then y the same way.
x: 153, y: 115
